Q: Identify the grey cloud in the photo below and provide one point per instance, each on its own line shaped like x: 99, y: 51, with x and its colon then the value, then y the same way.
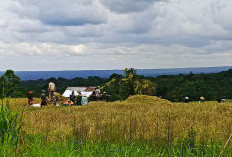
x: 63, y: 12
x: 72, y: 18
x: 138, y: 23
x: 127, y: 6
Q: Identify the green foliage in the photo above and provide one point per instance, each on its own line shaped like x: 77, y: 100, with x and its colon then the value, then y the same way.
x: 144, y: 87
x: 130, y: 71
x: 9, y: 128
x: 211, y: 86
x: 120, y: 88
x: 8, y: 84
x: 35, y: 145
x: 174, y: 88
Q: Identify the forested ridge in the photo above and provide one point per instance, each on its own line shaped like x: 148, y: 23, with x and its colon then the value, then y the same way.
x: 211, y: 86
x: 172, y: 87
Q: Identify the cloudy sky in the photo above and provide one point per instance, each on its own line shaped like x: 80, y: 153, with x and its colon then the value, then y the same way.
x: 114, y: 34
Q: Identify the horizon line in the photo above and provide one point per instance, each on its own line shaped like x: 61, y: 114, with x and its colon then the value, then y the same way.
x: 119, y: 69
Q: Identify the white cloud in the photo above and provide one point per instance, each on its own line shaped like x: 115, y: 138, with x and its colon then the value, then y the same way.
x: 192, y: 19
x: 115, y: 34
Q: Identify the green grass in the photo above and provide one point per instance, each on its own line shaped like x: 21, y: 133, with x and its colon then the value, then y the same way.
x: 9, y: 125
x: 36, y: 146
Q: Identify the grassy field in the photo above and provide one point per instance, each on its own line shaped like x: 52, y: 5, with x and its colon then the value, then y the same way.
x: 143, y: 125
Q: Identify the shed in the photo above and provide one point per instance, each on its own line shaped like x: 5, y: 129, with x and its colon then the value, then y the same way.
x: 84, y: 91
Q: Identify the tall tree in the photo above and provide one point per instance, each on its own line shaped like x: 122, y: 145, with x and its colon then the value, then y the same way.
x: 8, y: 84
x: 121, y: 88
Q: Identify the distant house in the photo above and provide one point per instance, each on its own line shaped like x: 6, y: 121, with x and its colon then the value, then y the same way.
x: 84, y: 91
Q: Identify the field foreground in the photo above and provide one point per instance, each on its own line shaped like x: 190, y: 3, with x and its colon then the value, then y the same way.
x: 142, y: 121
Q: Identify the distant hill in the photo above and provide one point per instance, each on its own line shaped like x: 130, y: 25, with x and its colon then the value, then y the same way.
x: 34, y: 75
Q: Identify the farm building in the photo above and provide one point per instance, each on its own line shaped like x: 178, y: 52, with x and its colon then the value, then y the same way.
x: 84, y: 91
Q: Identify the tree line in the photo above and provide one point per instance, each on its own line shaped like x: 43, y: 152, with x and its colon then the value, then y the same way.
x: 211, y: 86
x: 119, y: 87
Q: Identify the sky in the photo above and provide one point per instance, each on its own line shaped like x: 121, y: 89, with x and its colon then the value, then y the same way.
x: 114, y: 34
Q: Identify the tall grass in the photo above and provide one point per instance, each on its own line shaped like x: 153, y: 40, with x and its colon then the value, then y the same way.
x: 9, y: 125
x: 34, y: 146
x: 139, y: 117
x: 172, y: 128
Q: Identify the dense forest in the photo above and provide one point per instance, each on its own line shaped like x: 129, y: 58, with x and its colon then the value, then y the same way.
x: 172, y: 87
x: 211, y: 86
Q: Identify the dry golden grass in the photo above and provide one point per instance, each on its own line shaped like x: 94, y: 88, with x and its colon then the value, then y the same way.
x: 139, y: 117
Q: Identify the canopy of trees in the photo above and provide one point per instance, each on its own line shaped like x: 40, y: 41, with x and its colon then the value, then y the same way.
x: 8, y: 84
x: 211, y: 86
x: 174, y: 88
x: 121, y: 87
